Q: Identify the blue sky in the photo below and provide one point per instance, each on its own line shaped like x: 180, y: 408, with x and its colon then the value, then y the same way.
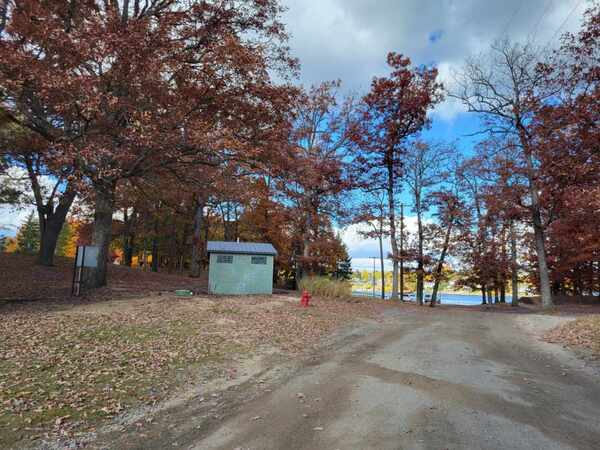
x: 349, y: 40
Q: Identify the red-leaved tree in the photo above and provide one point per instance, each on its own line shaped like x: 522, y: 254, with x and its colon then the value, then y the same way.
x: 393, y: 111
x: 120, y: 89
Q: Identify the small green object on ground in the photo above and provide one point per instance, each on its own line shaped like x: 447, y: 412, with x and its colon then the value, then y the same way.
x: 183, y: 293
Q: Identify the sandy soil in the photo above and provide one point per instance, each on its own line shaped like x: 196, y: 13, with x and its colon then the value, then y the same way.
x: 443, y: 379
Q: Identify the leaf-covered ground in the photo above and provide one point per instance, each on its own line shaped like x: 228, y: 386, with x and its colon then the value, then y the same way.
x: 68, y: 365
x: 22, y: 279
x: 583, y: 332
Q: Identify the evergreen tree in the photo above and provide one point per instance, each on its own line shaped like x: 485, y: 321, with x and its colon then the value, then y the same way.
x: 3, y: 242
x: 344, y: 266
x: 28, y: 237
x: 344, y: 271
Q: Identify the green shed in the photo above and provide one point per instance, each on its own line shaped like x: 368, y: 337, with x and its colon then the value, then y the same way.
x: 237, y: 268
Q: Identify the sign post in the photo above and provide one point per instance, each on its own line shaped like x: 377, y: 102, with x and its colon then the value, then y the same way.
x: 86, y: 256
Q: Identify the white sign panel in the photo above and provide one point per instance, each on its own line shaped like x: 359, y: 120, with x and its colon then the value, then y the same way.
x: 87, y: 256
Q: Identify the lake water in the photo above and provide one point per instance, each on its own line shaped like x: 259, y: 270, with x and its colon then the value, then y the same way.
x: 447, y: 299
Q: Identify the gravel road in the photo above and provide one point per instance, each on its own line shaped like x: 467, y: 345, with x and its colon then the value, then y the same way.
x: 445, y: 379
x: 419, y: 379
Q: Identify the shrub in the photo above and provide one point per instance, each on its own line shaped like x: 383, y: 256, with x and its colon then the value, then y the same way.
x: 326, y: 287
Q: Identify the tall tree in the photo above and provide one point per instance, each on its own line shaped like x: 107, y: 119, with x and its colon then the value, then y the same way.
x: 424, y: 168
x: 450, y: 213
x: 394, y: 110
x: 567, y: 134
x: 506, y: 88
x: 52, y: 193
x: 119, y: 89
x: 317, y: 179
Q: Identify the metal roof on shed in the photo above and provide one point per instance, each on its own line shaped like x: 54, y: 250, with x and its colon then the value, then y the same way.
x: 244, y: 248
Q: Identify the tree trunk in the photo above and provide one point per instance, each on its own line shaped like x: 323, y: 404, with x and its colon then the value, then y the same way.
x: 304, y: 266
x: 128, y: 250
x: 297, y: 271
x: 420, y: 268
x: 514, y: 268
x: 102, y: 235
x: 154, y: 254
x: 229, y: 232
x: 538, y: 227
x: 49, y: 232
x: 51, y: 219
x: 439, y: 266
x: 144, y: 263
x: 51, y: 224
x: 393, y: 240
x: 503, y: 292
x: 542, y: 264
x: 182, y: 247
x: 197, y: 247
x: 128, y: 238
x: 382, y: 265
x: 483, y: 301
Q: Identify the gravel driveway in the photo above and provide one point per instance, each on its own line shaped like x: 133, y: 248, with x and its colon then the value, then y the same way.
x: 418, y: 379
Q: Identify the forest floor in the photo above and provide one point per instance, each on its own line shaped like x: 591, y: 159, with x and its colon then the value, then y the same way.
x: 133, y: 366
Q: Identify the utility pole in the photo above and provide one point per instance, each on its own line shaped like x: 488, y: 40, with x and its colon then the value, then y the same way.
x: 401, y: 251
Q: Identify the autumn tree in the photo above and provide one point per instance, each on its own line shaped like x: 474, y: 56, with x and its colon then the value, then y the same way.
x: 49, y: 188
x: 424, y: 168
x: 450, y: 213
x: 506, y: 88
x: 473, y: 240
x: 567, y: 135
x: 121, y: 88
x: 506, y: 198
x: 317, y: 178
x: 394, y: 110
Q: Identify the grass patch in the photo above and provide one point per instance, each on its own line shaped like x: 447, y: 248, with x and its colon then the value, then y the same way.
x: 77, y: 371
x: 64, y: 370
x: 326, y: 287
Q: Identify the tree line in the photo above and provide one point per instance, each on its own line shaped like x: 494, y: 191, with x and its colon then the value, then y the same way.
x: 165, y: 124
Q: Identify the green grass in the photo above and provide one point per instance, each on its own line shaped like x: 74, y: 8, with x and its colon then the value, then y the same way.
x: 91, y: 373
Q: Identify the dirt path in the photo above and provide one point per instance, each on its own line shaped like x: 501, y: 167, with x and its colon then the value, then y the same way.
x: 436, y: 380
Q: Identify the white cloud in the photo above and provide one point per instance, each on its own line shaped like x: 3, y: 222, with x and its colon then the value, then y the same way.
x: 361, y: 249
x: 450, y: 107
x: 11, y: 218
x: 349, y: 39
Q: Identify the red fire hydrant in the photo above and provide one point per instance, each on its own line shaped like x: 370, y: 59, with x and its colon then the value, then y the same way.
x: 305, y: 299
